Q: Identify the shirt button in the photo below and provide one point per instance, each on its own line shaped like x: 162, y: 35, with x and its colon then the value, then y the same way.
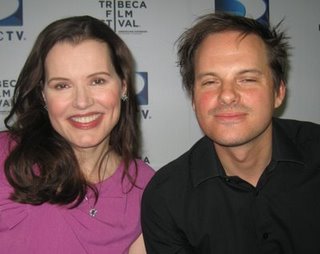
x: 265, y: 236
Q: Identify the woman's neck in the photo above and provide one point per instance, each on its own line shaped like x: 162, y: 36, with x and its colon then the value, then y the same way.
x: 97, y: 164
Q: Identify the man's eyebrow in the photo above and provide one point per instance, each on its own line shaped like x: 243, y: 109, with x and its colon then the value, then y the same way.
x: 256, y: 71
x: 203, y: 74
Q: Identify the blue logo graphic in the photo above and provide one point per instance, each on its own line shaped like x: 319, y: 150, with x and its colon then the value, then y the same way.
x: 142, y: 88
x: 11, y: 13
x: 256, y: 9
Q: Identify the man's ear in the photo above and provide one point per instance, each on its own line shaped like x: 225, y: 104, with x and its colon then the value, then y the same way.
x: 280, y: 94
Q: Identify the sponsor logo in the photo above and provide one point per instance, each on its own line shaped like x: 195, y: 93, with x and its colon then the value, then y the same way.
x: 142, y: 94
x: 145, y: 159
x: 11, y: 13
x: 6, y: 92
x: 256, y: 9
x: 124, y: 16
x: 142, y: 88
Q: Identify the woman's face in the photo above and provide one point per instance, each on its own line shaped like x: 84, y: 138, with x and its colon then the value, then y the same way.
x: 83, y: 92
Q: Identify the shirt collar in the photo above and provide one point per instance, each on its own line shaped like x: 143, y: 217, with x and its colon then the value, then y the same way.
x: 205, y: 164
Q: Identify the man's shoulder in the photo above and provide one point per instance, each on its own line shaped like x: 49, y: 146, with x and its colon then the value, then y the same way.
x: 304, y: 138
x: 176, y: 172
x: 299, y: 131
x: 176, y: 169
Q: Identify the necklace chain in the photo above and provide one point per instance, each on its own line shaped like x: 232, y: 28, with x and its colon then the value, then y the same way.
x: 93, y: 211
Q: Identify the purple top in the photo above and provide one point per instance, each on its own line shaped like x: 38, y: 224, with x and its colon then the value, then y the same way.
x: 55, y: 229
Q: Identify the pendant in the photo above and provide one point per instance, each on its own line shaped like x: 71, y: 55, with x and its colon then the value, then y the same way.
x: 93, y: 212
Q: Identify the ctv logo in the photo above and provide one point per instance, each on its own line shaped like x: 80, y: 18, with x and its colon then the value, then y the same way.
x: 142, y: 88
x: 142, y: 94
x: 256, y: 9
x: 11, y: 13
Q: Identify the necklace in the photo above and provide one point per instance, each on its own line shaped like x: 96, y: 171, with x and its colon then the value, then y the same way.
x: 92, y: 211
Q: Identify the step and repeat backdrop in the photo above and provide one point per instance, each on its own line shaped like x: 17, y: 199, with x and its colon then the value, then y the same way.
x: 150, y: 28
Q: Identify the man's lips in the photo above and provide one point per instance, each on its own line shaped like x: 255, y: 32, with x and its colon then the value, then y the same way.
x: 230, y: 114
x: 230, y: 117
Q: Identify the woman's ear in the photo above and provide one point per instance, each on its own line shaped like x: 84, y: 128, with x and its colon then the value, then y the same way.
x: 44, y: 97
x: 124, y: 96
x: 124, y: 88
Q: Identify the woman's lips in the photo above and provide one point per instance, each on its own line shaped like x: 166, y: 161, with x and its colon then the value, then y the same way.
x: 87, y: 121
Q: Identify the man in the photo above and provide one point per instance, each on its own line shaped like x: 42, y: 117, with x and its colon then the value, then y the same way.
x: 252, y: 183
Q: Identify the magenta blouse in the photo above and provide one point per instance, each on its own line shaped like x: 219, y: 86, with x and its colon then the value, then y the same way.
x: 56, y: 229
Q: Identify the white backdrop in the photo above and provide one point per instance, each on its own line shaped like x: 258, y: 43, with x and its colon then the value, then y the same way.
x: 150, y: 29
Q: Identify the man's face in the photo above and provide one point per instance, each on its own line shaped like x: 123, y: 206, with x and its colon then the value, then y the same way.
x: 234, y: 96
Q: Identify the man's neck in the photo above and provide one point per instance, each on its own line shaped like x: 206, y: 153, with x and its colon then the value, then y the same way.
x: 246, y: 161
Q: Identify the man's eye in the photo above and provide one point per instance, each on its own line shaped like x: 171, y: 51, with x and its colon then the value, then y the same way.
x: 209, y: 82
x: 248, y: 80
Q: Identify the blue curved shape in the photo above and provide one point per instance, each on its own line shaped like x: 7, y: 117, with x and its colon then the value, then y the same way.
x: 230, y: 6
x: 16, y: 19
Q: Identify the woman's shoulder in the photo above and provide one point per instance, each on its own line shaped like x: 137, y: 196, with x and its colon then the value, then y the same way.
x: 144, y: 171
x: 4, y: 137
x: 5, y: 142
x: 11, y: 213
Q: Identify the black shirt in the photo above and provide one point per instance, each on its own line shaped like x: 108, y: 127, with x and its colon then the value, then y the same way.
x: 191, y: 206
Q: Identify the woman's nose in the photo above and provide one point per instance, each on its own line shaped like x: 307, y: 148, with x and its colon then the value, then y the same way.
x: 82, y: 98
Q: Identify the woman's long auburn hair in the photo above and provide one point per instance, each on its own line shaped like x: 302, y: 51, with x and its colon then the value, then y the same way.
x: 41, y: 165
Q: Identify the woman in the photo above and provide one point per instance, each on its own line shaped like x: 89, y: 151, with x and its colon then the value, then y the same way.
x: 69, y: 180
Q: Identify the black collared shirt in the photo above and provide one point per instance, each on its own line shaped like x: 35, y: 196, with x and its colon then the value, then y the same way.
x: 191, y: 206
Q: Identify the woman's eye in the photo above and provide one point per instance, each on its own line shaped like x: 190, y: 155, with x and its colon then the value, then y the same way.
x: 98, y: 81
x: 60, y: 86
